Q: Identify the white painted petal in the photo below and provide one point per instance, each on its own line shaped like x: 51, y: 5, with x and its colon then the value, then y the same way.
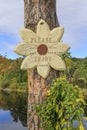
x: 57, y: 63
x: 58, y: 48
x: 29, y: 62
x: 56, y: 34
x: 25, y: 49
x: 28, y: 35
x: 43, y: 29
x: 43, y: 69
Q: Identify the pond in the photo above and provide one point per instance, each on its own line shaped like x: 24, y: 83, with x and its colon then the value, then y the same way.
x: 13, y: 110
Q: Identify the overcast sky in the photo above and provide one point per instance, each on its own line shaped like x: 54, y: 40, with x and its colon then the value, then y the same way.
x: 72, y: 14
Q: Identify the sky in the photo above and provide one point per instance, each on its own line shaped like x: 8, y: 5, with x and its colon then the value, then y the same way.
x: 7, y: 122
x: 72, y: 15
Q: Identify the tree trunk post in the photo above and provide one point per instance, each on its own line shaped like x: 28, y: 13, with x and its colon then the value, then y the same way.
x: 34, y: 10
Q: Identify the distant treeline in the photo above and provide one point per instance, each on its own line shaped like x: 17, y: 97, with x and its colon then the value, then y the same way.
x: 11, y: 76
x: 77, y: 71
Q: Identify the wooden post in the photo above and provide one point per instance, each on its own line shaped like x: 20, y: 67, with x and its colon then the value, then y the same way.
x: 34, y: 10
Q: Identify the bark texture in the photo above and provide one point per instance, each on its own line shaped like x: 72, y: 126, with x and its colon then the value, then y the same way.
x: 34, y: 10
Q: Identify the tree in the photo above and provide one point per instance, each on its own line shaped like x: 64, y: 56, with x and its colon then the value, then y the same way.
x: 34, y: 10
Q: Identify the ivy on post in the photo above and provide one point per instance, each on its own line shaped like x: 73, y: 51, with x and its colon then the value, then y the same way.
x: 42, y: 47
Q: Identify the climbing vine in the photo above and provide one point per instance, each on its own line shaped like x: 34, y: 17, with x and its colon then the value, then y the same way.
x: 63, y: 106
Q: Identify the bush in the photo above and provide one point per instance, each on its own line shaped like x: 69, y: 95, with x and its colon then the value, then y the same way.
x: 5, y: 84
x: 63, y: 106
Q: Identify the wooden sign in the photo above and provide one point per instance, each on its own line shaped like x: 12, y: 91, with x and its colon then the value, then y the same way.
x: 42, y: 49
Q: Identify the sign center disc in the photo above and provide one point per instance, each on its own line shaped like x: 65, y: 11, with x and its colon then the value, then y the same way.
x: 42, y: 49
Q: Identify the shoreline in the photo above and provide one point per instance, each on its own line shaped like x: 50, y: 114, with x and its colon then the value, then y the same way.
x: 12, y: 90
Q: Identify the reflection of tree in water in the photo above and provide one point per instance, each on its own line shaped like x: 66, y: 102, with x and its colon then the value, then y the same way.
x: 17, y: 104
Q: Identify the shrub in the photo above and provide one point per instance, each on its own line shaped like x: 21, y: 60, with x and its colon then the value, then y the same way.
x: 64, y: 105
x: 5, y: 84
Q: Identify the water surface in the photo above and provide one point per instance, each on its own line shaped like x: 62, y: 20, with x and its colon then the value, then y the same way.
x: 13, y: 111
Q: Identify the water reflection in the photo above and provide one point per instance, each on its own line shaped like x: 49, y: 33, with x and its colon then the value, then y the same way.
x: 13, y: 109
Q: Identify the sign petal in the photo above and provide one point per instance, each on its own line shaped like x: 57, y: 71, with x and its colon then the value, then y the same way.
x: 28, y: 36
x: 43, y: 69
x: 29, y: 62
x: 56, y: 34
x: 43, y: 29
x: 57, y: 63
x: 58, y: 48
x: 25, y: 49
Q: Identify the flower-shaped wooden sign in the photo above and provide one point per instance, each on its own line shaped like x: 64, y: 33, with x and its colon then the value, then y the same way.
x: 42, y: 49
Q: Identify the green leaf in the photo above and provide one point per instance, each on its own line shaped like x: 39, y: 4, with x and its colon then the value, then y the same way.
x: 60, y: 113
x: 57, y: 108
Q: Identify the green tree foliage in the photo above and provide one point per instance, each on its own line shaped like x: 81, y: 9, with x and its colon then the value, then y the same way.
x: 76, y: 70
x: 64, y: 104
x: 10, y: 73
x: 79, y: 72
